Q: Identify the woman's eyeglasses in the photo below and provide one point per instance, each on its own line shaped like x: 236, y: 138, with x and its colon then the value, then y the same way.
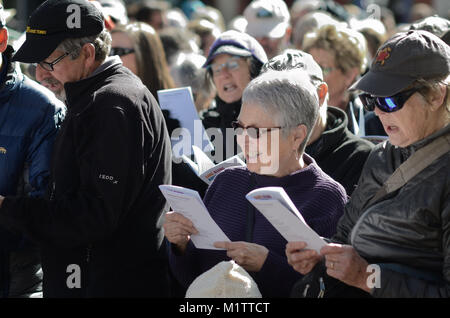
x: 231, y: 64
x: 252, y: 132
x: 48, y: 66
x: 121, y: 51
x: 387, y: 104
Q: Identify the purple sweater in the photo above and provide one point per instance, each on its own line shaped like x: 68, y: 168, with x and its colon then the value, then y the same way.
x: 318, y: 198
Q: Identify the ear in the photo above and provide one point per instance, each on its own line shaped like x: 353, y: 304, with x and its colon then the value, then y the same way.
x: 437, y: 97
x: 88, y: 51
x: 350, y: 76
x: 3, y: 39
x: 299, y: 135
x: 322, y: 91
x: 287, y: 35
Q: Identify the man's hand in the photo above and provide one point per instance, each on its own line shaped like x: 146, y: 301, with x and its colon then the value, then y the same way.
x: 1, y: 200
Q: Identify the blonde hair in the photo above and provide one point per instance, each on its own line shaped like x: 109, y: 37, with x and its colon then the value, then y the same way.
x: 348, y: 46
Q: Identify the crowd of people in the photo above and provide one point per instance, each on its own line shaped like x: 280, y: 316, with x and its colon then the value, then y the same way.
x: 346, y: 111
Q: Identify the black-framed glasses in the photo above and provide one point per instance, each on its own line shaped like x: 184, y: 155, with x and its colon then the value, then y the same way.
x: 387, y: 104
x: 48, y: 66
x: 252, y: 132
x: 121, y: 51
x: 231, y: 64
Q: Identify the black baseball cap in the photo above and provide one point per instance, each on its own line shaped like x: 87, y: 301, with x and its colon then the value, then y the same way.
x: 403, y: 59
x: 54, y: 21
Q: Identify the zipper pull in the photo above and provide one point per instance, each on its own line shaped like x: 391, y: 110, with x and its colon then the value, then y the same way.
x: 322, y: 288
x: 305, y: 291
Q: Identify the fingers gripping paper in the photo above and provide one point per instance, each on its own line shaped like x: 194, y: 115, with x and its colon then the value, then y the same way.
x: 277, y: 207
x: 188, y: 203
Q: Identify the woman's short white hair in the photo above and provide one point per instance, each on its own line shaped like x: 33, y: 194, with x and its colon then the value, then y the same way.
x: 289, y: 97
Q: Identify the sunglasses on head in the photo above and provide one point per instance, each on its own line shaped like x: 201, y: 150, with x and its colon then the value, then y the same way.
x: 387, y: 104
x: 121, y: 51
x: 252, y: 132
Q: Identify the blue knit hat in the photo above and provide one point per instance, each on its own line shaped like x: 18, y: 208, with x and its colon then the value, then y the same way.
x: 238, y: 44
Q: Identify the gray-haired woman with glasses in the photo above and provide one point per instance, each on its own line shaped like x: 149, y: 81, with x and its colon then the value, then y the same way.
x: 279, y: 110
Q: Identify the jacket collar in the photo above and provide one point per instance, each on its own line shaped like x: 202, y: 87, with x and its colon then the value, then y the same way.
x: 335, y: 131
x: 78, y: 92
x: 228, y: 111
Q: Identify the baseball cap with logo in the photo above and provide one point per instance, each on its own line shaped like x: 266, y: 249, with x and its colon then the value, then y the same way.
x: 294, y: 59
x: 54, y: 21
x: 267, y: 18
x: 238, y: 44
x: 403, y: 59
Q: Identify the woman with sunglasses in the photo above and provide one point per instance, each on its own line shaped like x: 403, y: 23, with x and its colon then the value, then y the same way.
x: 141, y: 50
x: 405, y: 234
x: 279, y: 110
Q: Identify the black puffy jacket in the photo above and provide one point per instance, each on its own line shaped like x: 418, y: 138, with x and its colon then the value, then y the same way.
x: 410, y: 227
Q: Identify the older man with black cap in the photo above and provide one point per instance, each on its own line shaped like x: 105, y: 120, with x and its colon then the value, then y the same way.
x: 397, y: 219
x: 29, y: 119
x: 98, y: 229
x: 336, y: 150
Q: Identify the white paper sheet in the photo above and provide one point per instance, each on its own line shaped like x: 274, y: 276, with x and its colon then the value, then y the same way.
x: 188, y: 203
x: 180, y: 104
x: 275, y: 205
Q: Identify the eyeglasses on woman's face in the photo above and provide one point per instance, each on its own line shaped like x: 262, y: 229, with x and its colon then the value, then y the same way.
x: 252, y: 132
x: 121, y: 51
x: 231, y: 64
x: 49, y: 66
x: 387, y: 104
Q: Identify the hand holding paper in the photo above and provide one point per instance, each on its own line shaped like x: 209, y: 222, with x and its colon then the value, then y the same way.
x: 188, y: 203
x: 277, y: 207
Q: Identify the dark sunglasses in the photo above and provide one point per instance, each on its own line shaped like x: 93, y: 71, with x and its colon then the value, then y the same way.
x: 387, y: 104
x: 252, y: 132
x: 121, y: 51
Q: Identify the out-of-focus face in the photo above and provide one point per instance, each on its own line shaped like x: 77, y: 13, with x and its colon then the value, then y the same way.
x: 272, y: 47
x: 271, y: 153
x: 230, y: 74
x: 122, y: 40
x: 336, y: 80
x: 413, y: 122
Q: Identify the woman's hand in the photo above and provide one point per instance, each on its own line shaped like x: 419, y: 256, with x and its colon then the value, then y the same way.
x: 301, y: 259
x: 248, y: 255
x: 178, y: 229
x: 345, y: 264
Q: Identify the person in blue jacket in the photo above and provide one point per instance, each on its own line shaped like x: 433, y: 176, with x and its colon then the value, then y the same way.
x: 29, y: 119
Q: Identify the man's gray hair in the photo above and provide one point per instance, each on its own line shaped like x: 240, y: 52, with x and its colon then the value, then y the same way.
x: 101, y: 42
x: 289, y: 96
